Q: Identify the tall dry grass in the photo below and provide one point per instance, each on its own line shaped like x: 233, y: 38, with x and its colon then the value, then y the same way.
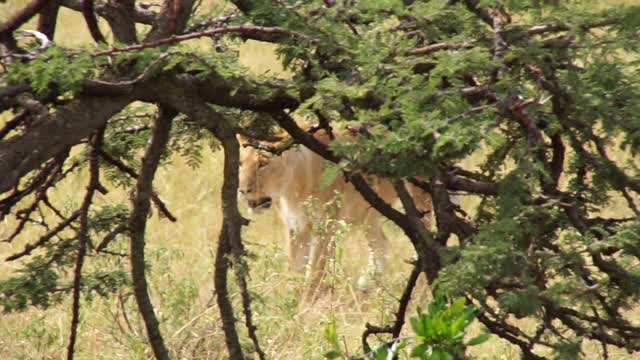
x: 181, y: 257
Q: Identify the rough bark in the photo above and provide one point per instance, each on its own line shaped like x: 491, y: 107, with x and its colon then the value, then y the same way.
x: 48, y: 18
x: 121, y: 18
x: 222, y: 296
x: 171, y: 20
x: 52, y: 134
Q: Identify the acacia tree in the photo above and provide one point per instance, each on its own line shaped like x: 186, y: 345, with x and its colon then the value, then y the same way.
x: 543, y: 92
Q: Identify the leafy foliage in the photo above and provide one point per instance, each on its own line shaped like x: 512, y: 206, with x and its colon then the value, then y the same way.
x: 437, y: 334
x: 440, y: 332
x: 55, y: 66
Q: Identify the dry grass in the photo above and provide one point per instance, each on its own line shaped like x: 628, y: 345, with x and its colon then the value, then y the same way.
x: 181, y: 277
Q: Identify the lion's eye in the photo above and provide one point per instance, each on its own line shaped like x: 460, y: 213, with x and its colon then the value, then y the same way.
x: 262, y: 165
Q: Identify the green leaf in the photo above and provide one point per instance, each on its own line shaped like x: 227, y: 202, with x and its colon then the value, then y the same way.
x: 416, y: 325
x: 330, y: 172
x: 479, y: 339
x: 419, y: 350
x: 332, y: 354
x: 381, y: 353
x: 439, y: 354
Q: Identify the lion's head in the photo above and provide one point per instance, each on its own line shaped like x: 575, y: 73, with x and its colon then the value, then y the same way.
x: 262, y: 176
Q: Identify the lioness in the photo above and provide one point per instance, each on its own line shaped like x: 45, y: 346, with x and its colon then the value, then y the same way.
x: 290, y: 179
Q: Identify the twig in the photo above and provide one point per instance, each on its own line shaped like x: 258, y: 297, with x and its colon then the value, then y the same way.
x: 242, y: 29
x: 630, y: 202
x: 498, y: 328
x: 110, y: 236
x: 129, y: 171
x: 211, y: 22
x: 46, y: 237
x: 440, y: 46
x: 39, y: 196
x: 34, y: 182
x: 143, y: 75
x: 403, y: 303
x: 124, y: 314
x: 541, y: 29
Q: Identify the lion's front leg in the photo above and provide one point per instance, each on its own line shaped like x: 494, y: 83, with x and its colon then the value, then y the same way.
x: 317, y: 261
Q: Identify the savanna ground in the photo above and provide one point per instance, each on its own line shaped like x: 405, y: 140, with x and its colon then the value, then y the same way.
x: 181, y: 263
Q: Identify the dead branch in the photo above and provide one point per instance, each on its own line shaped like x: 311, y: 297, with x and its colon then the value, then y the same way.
x: 40, y: 194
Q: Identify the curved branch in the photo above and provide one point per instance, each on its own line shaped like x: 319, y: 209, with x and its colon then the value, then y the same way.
x: 92, y: 22
x: 230, y: 241
x: 83, y: 236
x: 235, y: 221
x: 403, y: 303
x: 137, y: 226
x: 48, y: 18
x: 9, y: 26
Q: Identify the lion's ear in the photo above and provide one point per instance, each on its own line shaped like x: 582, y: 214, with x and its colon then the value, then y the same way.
x: 242, y: 139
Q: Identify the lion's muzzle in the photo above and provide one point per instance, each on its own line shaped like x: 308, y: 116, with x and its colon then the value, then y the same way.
x: 261, y: 203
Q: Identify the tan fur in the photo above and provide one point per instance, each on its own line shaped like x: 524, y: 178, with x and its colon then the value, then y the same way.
x: 294, y: 177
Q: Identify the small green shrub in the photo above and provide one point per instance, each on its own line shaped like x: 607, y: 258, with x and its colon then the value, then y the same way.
x: 438, y: 334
